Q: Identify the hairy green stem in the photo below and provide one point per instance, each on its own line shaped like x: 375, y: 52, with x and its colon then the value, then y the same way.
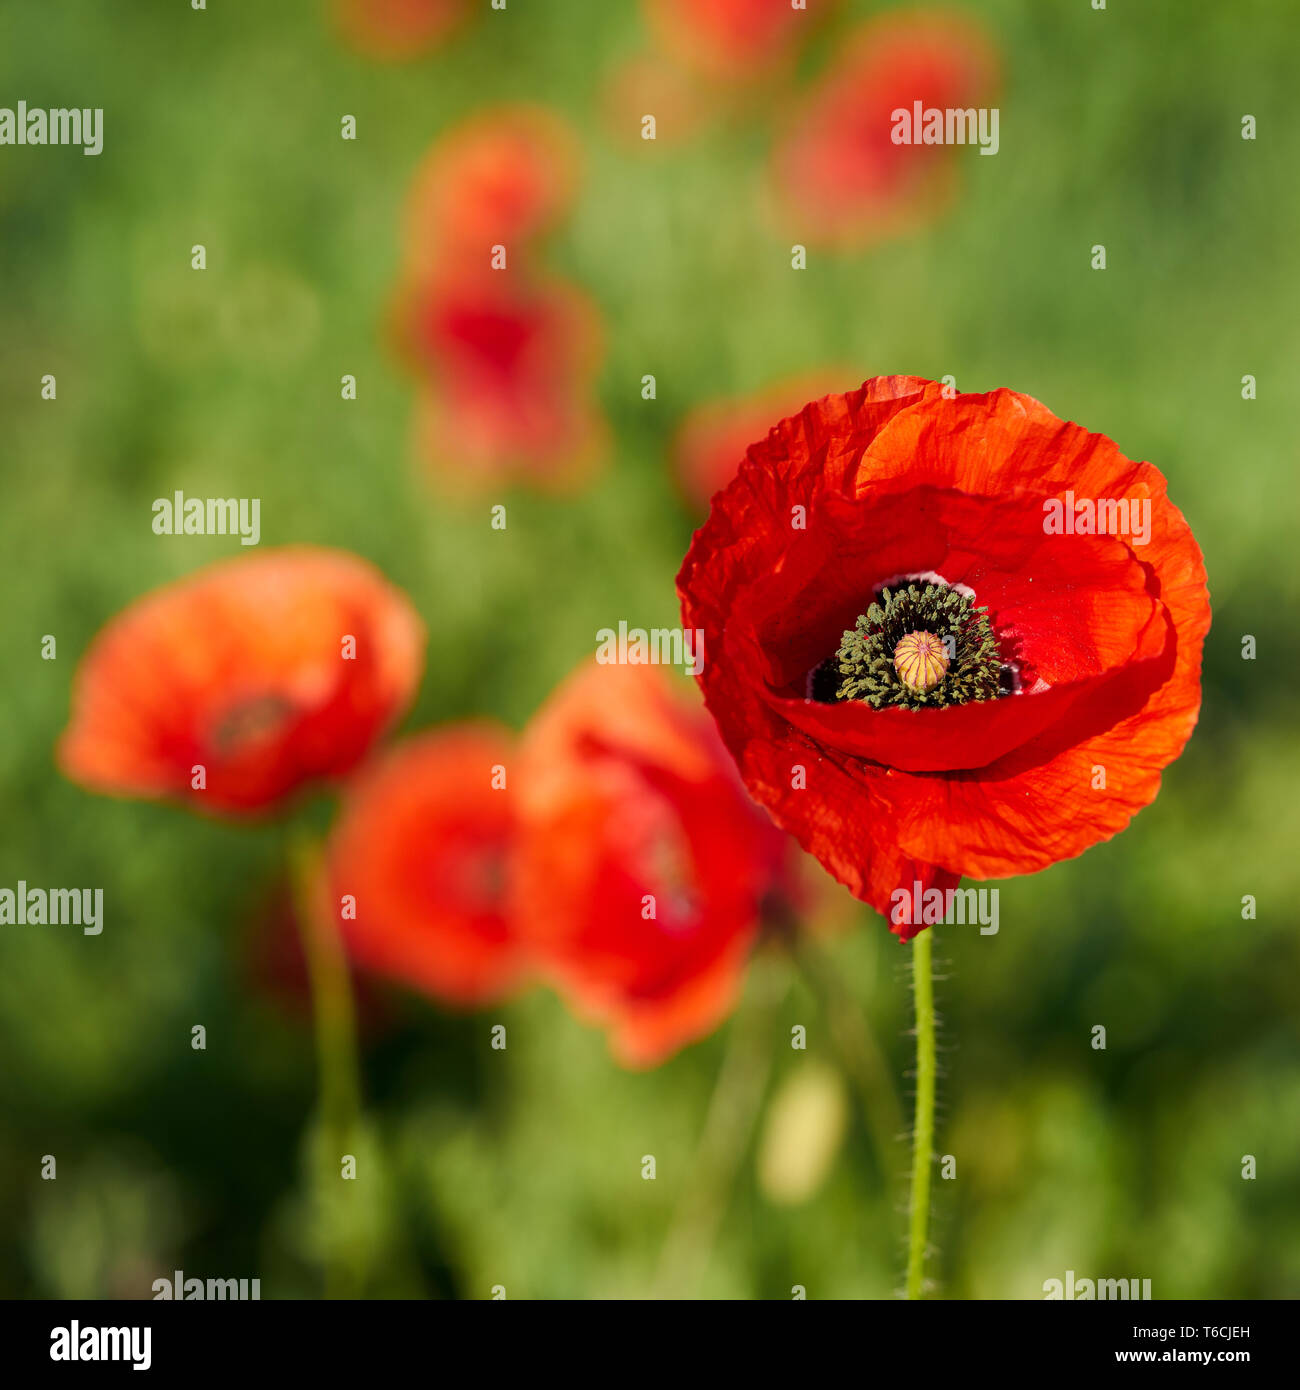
x: 923, y: 1129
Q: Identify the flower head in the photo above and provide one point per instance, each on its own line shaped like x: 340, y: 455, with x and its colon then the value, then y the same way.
x: 396, y: 30
x: 642, y: 868
x: 417, y: 865
x: 233, y: 687
x: 505, y: 355
x: 506, y: 369
x: 503, y: 177
x: 729, y: 39
x: 899, y: 512
x: 839, y: 177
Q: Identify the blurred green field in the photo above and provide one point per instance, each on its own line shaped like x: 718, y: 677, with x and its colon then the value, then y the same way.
x: 523, y: 1168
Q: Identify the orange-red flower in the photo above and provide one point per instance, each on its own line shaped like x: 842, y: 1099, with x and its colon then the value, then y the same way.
x: 838, y: 178
x: 642, y: 868
x: 507, y: 365
x: 909, y: 510
x: 729, y: 39
x: 505, y: 355
x: 500, y: 178
x: 714, y: 437
x: 231, y: 688
x: 417, y: 865
x: 399, y: 29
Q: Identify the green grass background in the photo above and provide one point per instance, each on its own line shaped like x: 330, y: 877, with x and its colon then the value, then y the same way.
x: 523, y: 1168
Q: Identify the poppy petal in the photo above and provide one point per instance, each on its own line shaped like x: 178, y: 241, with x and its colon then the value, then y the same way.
x: 421, y: 852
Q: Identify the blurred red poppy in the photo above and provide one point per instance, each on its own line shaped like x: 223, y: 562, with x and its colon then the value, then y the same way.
x: 506, y: 356
x: 417, y: 865
x: 500, y: 178
x: 233, y: 687
x: 642, y: 870
x: 399, y: 29
x: 838, y: 177
x: 729, y: 39
x: 1069, y: 661
x: 713, y: 439
x: 507, y: 364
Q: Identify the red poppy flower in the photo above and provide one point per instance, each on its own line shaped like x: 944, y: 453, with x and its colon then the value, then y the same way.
x: 714, y: 437
x: 508, y: 364
x: 729, y: 39
x: 838, y: 177
x: 507, y: 358
x: 420, y: 852
x: 911, y: 512
x: 398, y: 29
x: 642, y: 867
x: 266, y: 672
x: 500, y: 178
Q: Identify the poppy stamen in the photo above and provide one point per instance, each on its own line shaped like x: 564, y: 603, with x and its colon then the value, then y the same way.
x: 921, y: 645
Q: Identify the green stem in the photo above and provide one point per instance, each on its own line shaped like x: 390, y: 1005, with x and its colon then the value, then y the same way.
x: 923, y: 1130
x: 334, y: 1022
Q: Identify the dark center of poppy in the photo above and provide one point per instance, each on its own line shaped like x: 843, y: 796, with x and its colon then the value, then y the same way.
x: 665, y: 863
x: 250, y: 721
x: 476, y: 872
x: 921, y: 645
